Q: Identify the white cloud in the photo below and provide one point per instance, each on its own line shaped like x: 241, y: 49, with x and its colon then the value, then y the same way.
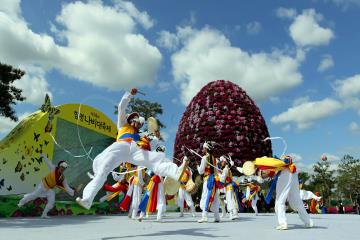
x: 167, y: 40
x: 296, y: 157
x: 286, y: 128
x: 302, y: 167
x: 207, y: 55
x: 142, y: 17
x: 326, y: 63
x: 164, y: 86
x: 34, y: 85
x: 101, y: 45
x: 354, y: 128
x: 306, y: 114
x: 288, y: 13
x: 306, y: 31
x: 349, y: 87
x: 10, y: 7
x: 349, y: 92
x: 6, y: 125
x: 253, y: 27
x: 301, y: 100
x: 332, y: 158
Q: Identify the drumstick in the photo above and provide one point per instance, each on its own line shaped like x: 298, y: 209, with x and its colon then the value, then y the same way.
x: 181, y: 162
x: 193, y: 152
x: 141, y: 93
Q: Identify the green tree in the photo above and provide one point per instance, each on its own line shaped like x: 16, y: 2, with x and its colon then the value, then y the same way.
x: 305, y: 177
x: 9, y: 94
x: 348, y: 179
x: 146, y: 109
x: 323, y: 179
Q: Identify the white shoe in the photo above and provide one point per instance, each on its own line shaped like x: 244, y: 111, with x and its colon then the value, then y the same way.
x: 282, y: 227
x: 202, y: 220
x: 140, y: 219
x: 160, y: 220
x: 83, y: 203
x: 181, y: 215
x: 193, y: 215
x: 310, y: 224
x: 45, y: 216
x: 233, y: 217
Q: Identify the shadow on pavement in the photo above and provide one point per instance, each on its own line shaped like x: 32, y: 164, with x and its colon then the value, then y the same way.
x: 203, y: 232
x: 37, y: 222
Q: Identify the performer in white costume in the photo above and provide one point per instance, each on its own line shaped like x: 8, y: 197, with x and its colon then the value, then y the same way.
x: 251, y: 195
x: 183, y: 195
x: 132, y: 199
x: 128, y: 147
x: 287, y: 188
x: 307, y: 195
x: 226, y: 179
x: 210, y: 194
x: 46, y: 187
x: 154, y: 198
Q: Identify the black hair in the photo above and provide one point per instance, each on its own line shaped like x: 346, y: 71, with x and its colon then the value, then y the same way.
x: 62, y: 161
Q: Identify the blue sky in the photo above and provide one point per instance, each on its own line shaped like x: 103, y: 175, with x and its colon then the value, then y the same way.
x: 299, y: 60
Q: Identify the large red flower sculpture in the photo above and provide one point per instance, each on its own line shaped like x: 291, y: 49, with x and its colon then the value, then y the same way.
x: 224, y: 113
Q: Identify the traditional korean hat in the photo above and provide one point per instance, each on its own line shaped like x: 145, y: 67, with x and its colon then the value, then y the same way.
x: 134, y: 116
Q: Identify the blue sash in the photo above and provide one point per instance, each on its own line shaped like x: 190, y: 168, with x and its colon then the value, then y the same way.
x: 134, y: 136
x: 210, y: 187
x: 144, y: 202
x: 272, y: 188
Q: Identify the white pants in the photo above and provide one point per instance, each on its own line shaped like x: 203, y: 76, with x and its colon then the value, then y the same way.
x: 135, y: 201
x: 215, y: 204
x: 287, y: 188
x: 40, y: 191
x: 307, y: 195
x: 119, y: 152
x: 161, y: 203
x: 230, y: 202
x: 183, y: 195
x: 253, y: 204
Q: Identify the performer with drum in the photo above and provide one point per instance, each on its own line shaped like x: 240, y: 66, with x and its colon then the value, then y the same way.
x: 286, y: 183
x: 186, y: 186
x: 132, y: 198
x: 154, y: 197
x: 127, y: 148
x: 226, y: 179
x: 210, y: 194
x: 252, y: 190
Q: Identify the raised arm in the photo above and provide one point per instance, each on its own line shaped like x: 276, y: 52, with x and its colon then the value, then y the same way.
x: 123, y: 105
x: 224, y: 174
x: 201, y: 168
x: 48, y: 162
